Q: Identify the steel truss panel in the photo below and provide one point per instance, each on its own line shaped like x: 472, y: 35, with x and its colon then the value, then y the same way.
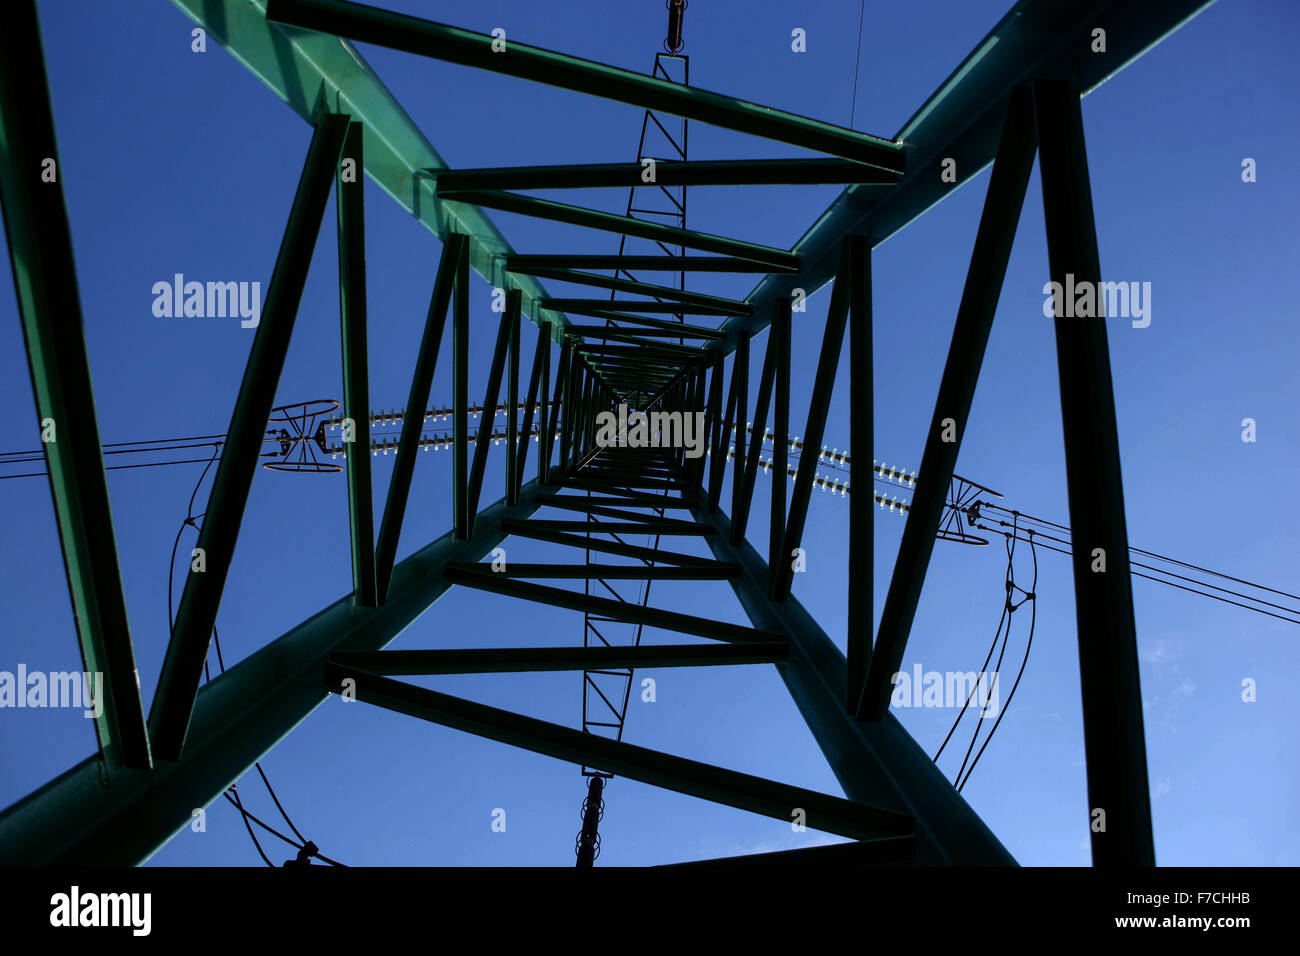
x: 298, y: 65
x: 962, y: 120
x: 455, y: 45
x: 49, y: 305
x: 744, y: 791
x: 238, y: 717
x: 897, y: 797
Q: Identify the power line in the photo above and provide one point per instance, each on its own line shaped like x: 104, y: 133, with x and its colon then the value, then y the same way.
x: 1032, y: 598
x: 1172, y: 584
x: 1166, y: 558
x: 306, y: 848
x: 1258, y: 604
x: 857, y: 61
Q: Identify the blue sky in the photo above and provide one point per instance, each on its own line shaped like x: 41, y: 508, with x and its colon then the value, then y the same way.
x: 180, y: 162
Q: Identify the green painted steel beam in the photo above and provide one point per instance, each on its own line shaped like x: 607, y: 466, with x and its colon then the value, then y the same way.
x: 645, y: 498
x: 540, y: 357
x: 989, y: 258
x: 626, y: 381
x: 712, y: 412
x: 962, y: 121
x: 590, y: 505
x: 238, y: 717
x: 546, y: 414
x: 569, y: 373
x: 621, y: 374
x: 740, y: 372
x: 350, y: 199
x: 626, y: 226
x: 644, y: 381
x: 628, y: 611
x: 618, y: 514
x: 497, y: 368
x: 595, y: 484
x: 715, y: 172
x: 504, y: 660
x: 1109, y: 674
x: 298, y: 65
x: 875, y: 763
x: 453, y: 45
x: 862, y: 560
x: 643, y: 288
x: 743, y: 791
x: 722, y: 437
x: 657, y: 352
x: 741, y: 505
x: 818, y: 406
x: 580, y: 501
x: 513, y: 306
x: 529, y: 264
x: 680, y: 307
x: 779, y: 346
x: 460, y: 400
x: 49, y: 310
x: 611, y: 572
x: 614, y: 365
x: 640, y: 334
x: 657, y: 371
x: 417, y: 404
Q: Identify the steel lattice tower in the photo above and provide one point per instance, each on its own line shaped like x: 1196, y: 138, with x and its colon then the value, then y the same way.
x: 1016, y: 96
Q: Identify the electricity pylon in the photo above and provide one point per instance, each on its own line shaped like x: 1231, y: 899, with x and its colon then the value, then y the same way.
x: 1016, y: 96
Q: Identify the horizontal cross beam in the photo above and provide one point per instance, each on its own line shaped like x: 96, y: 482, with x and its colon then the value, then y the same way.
x: 505, y: 660
x: 454, y: 45
x: 740, y: 790
x: 713, y: 172
x: 526, y: 264
x: 619, y: 610
x: 609, y: 572
x: 625, y: 226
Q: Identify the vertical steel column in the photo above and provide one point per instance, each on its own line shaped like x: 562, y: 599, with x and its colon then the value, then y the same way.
x: 740, y: 507
x: 512, y: 403
x: 970, y: 335
x: 712, y: 415
x: 45, y: 281
x: 818, y: 407
x: 577, y: 442
x: 581, y: 395
x: 861, y: 512
x: 686, y: 404
x: 699, y: 402
x: 585, y: 412
x: 417, y: 403
x: 460, y: 399
x: 182, y: 670
x: 722, y: 437
x: 550, y: 407
x: 780, y: 343
x: 1108, y: 662
x: 530, y: 406
x: 487, y: 419
x: 568, y: 371
x: 740, y: 369
x: 350, y: 198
